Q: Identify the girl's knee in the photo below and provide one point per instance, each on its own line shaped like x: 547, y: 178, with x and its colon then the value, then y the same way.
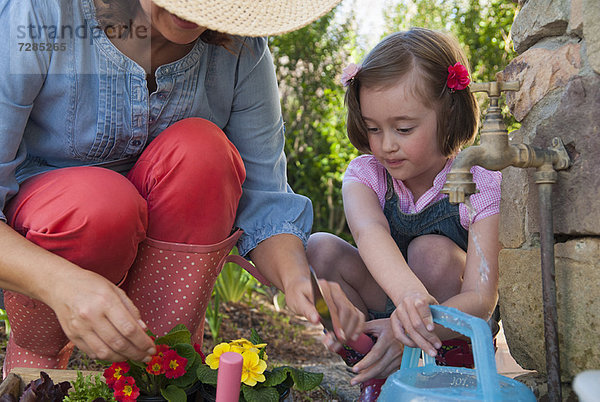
x: 325, y: 251
x: 447, y: 260
x: 322, y: 246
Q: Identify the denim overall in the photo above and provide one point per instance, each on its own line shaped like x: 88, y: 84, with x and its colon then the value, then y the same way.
x: 440, y: 218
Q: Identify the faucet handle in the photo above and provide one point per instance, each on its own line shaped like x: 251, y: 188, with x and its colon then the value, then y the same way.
x: 494, y: 88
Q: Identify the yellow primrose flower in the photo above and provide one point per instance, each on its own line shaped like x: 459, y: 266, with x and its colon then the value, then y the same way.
x: 241, y: 345
x: 213, y: 359
x: 245, y: 343
x: 253, y: 369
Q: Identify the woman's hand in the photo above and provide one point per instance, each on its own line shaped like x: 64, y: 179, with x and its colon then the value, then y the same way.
x: 412, y: 323
x: 348, y: 321
x: 385, y: 356
x: 282, y: 260
x: 99, y: 318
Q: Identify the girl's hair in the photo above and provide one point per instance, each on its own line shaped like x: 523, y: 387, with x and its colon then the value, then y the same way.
x: 120, y: 13
x: 425, y: 55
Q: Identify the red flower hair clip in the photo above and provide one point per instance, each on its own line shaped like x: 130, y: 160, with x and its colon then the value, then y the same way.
x: 458, y: 77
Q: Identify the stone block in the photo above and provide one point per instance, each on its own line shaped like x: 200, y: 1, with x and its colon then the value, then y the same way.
x: 575, y: 26
x: 539, y: 19
x: 591, y: 32
x: 513, y: 207
x: 576, y: 210
x: 577, y: 284
x: 540, y: 70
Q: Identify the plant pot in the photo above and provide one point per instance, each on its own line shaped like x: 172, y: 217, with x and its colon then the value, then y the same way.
x: 209, y: 393
x: 191, y: 393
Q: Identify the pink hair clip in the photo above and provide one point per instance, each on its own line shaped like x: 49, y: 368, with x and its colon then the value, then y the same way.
x: 458, y: 77
x: 349, y: 73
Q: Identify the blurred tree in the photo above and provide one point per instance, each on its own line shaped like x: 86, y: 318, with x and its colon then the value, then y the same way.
x: 482, y: 28
x: 308, y: 63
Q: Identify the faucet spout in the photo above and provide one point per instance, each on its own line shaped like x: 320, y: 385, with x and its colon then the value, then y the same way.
x: 494, y: 153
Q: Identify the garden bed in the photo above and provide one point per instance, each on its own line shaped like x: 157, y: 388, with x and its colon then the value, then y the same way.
x: 291, y: 339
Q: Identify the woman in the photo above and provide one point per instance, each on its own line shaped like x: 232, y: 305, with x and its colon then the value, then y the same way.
x: 135, y: 139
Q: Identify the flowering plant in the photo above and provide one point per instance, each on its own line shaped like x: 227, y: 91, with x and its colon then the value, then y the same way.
x: 458, y: 77
x: 171, y: 371
x: 258, y: 383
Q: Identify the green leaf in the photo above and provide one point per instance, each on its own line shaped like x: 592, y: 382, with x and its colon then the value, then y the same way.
x: 207, y: 375
x: 276, y: 376
x: 175, y: 336
x: 304, y: 380
x: 87, y: 388
x: 252, y: 394
x: 187, y: 351
x: 174, y: 394
x: 255, y: 337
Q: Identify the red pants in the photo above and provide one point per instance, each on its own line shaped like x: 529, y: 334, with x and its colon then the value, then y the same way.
x: 185, y: 188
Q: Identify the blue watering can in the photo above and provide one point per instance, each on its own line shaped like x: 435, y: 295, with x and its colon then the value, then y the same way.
x: 443, y: 383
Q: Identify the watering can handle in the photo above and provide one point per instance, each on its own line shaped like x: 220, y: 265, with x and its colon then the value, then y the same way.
x: 481, y: 341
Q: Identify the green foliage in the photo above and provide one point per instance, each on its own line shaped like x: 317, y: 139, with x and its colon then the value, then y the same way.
x: 88, y: 388
x: 4, y: 317
x: 308, y: 64
x: 234, y: 282
x: 213, y: 316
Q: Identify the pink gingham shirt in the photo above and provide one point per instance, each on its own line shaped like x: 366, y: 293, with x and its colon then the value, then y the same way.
x: 367, y: 170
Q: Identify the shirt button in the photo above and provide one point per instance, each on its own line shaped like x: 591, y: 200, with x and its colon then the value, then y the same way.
x: 162, y: 96
x: 136, y: 143
x: 151, y: 119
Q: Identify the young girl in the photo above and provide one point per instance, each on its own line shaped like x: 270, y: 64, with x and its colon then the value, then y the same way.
x: 410, y: 111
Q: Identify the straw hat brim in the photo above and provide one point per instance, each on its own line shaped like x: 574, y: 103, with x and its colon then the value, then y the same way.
x: 249, y: 17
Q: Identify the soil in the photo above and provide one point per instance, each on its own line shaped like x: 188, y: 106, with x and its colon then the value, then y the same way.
x: 291, y: 340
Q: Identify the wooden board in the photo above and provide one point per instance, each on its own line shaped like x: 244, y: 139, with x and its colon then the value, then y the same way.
x: 31, y: 374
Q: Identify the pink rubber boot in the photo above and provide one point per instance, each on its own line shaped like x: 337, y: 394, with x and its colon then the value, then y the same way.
x: 171, y: 283
x: 37, y: 339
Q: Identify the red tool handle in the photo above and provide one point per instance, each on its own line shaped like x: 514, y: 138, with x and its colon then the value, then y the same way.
x: 362, y: 345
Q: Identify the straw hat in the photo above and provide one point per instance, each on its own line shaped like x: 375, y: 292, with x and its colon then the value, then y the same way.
x: 249, y: 17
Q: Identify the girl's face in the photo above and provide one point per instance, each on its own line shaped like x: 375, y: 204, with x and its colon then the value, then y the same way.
x: 169, y: 26
x: 402, y: 134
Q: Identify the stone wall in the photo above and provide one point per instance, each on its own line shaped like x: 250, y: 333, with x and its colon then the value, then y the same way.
x: 558, y: 42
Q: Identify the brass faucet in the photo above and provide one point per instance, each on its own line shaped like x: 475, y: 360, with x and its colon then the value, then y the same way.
x: 495, y: 152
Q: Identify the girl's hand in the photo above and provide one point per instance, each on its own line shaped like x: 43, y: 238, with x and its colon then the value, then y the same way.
x: 385, y: 356
x: 100, y: 319
x: 412, y: 323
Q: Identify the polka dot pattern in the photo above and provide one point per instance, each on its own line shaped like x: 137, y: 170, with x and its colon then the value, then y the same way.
x: 174, y: 287
x: 36, y: 338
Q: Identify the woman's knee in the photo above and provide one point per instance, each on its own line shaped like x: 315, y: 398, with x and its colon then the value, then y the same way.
x: 192, y: 176
x: 197, y: 147
x: 91, y: 216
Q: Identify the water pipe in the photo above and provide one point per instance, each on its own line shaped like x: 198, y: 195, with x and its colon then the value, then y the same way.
x: 495, y: 153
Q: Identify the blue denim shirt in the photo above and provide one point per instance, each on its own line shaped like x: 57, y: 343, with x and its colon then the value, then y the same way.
x: 80, y: 101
